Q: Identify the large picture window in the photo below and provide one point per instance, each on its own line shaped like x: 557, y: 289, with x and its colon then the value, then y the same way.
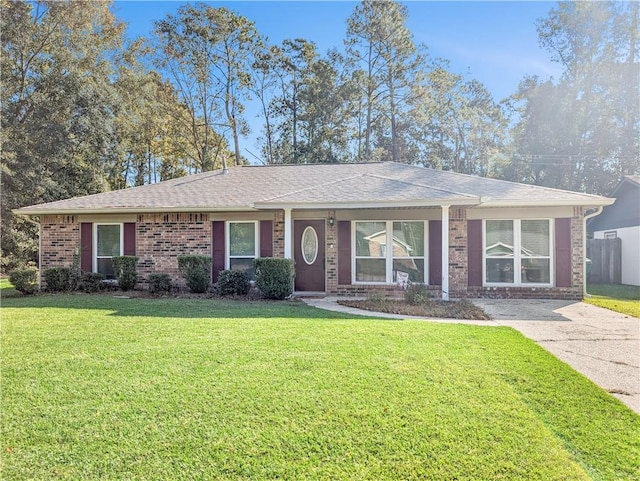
x: 518, y: 252
x: 242, y: 243
x: 389, y: 251
x: 108, y: 244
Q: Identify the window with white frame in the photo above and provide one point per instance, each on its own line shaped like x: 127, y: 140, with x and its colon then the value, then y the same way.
x: 242, y: 245
x: 385, y: 251
x: 518, y: 252
x: 108, y: 243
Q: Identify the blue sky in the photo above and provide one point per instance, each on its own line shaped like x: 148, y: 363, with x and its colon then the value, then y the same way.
x: 493, y: 42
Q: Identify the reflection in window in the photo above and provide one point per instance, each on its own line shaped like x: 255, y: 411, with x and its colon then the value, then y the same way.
x: 386, y: 251
x: 242, y: 246
x: 371, y: 247
x: 518, y: 246
x: 108, y: 245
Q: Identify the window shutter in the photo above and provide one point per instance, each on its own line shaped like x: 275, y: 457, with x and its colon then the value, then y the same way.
x: 86, y: 246
x: 474, y: 252
x: 563, y: 252
x: 435, y: 252
x: 217, y: 248
x: 344, y: 252
x: 129, y: 239
x: 266, y: 238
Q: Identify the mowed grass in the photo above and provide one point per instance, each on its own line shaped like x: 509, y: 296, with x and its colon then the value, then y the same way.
x: 616, y: 297
x: 95, y: 387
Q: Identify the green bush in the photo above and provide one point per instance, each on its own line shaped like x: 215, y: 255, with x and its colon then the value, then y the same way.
x: 159, y: 282
x: 233, y: 283
x: 417, y: 294
x: 196, y: 270
x: 274, y: 276
x: 125, y: 269
x: 57, y: 279
x: 25, y: 280
x: 91, y: 281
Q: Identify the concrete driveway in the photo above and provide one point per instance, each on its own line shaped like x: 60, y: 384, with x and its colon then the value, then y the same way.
x: 601, y: 344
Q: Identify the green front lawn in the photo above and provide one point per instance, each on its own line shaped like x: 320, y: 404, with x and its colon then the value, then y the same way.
x: 95, y: 387
x: 616, y: 297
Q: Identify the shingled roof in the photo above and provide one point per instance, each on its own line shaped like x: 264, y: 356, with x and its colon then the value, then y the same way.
x: 381, y: 184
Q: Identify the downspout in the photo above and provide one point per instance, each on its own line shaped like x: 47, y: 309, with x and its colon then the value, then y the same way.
x: 584, y: 240
x: 445, y: 253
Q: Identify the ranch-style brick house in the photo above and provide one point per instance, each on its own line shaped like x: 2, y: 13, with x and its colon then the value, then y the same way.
x: 351, y: 228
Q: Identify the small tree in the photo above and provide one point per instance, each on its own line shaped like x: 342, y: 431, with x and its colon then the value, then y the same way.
x: 274, y: 276
x: 125, y: 269
x: 196, y: 270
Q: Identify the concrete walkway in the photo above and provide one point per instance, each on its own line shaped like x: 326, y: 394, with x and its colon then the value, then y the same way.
x: 601, y: 344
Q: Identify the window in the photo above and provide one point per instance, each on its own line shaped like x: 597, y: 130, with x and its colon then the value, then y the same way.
x: 242, y: 246
x: 517, y: 246
x: 612, y: 234
x: 108, y: 244
x: 376, y: 262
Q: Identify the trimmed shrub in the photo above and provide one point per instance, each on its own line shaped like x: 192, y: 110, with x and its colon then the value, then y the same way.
x: 159, y: 282
x: 125, y: 269
x: 274, y: 276
x: 233, y: 283
x: 91, y: 281
x: 196, y: 270
x: 417, y: 295
x: 24, y: 280
x: 57, y: 279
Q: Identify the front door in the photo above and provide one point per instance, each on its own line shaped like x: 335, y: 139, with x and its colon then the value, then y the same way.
x: 308, y: 252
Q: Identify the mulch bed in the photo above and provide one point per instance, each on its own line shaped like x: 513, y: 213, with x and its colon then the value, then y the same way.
x: 462, y: 309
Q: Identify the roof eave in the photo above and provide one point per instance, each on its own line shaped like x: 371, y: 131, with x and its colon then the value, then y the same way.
x: 129, y: 210
x: 548, y: 203
x: 368, y: 204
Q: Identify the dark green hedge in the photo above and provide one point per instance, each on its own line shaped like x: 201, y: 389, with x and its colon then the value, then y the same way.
x: 196, y: 270
x: 274, y: 276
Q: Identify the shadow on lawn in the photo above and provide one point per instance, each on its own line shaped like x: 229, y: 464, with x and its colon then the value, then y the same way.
x: 195, y: 307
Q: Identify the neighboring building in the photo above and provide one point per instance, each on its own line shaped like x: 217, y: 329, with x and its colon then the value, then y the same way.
x: 494, y: 238
x: 622, y: 220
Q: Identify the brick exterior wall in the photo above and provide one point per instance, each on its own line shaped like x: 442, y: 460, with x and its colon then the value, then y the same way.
x: 60, y: 240
x: 161, y: 238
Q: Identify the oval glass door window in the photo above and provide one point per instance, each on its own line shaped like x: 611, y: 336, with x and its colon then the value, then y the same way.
x: 309, y: 245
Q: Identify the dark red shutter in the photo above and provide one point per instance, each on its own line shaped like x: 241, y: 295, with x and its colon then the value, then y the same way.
x: 563, y: 252
x: 86, y: 246
x: 217, y: 248
x: 474, y: 252
x: 129, y: 239
x: 344, y: 252
x: 266, y: 238
x: 435, y: 252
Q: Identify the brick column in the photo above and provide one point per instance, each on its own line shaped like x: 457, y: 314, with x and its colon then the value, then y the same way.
x: 578, y: 250
x: 331, y: 255
x: 458, y: 257
x: 278, y: 234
